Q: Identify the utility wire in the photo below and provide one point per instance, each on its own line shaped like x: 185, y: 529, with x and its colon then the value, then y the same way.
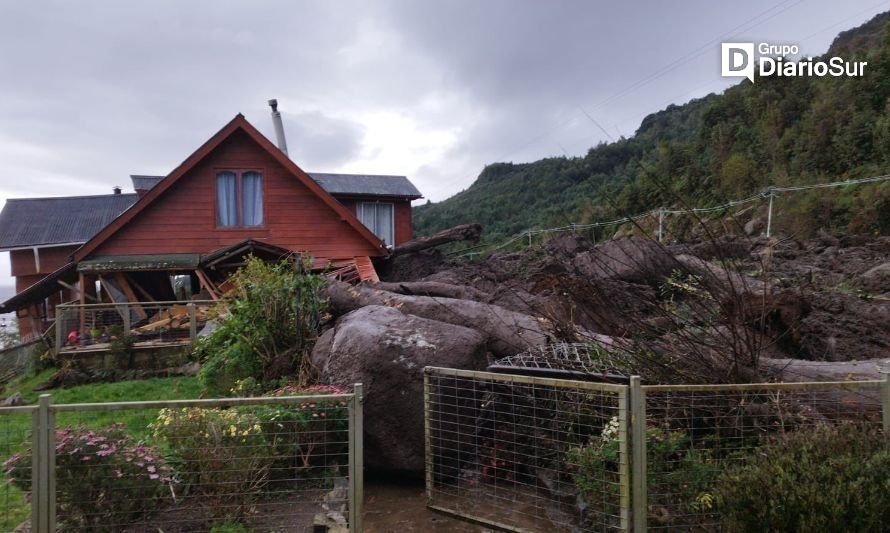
x: 769, y: 191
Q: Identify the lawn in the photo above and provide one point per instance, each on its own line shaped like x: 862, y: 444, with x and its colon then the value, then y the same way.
x: 15, y: 427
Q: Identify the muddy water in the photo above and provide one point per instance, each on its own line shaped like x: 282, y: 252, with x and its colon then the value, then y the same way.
x: 392, y: 507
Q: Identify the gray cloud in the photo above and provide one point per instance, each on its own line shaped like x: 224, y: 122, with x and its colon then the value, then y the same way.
x: 93, y: 91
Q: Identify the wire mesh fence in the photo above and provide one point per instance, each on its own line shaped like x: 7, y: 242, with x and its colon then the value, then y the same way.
x: 15, y: 440
x: 260, y: 464
x: 696, y: 434
x: 99, y: 326
x: 526, y: 453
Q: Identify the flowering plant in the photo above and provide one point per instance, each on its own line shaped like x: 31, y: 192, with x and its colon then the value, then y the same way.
x: 309, y: 434
x: 221, y: 455
x: 103, y: 476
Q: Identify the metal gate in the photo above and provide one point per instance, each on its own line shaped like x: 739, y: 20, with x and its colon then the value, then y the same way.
x: 526, y: 453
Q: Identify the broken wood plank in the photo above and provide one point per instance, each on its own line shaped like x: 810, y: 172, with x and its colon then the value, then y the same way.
x: 142, y: 291
x: 121, y: 280
x: 206, y: 284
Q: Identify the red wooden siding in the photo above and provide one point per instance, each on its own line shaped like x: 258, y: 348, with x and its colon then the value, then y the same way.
x: 51, y: 259
x: 401, y: 214
x: 183, y: 219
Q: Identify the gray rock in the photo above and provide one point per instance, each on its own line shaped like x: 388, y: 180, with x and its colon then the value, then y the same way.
x: 386, y: 350
x: 878, y: 271
x: 15, y: 399
x: 630, y: 259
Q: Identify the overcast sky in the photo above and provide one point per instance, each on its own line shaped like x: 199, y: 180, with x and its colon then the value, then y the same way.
x: 91, y: 92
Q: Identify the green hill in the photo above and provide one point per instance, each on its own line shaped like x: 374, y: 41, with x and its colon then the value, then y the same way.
x: 780, y: 131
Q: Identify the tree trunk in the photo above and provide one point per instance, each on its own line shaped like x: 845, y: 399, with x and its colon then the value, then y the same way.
x: 465, y: 232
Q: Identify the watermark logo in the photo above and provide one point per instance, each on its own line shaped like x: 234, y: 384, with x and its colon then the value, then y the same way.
x: 739, y: 60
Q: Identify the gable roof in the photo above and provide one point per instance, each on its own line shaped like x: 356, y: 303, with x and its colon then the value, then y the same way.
x: 239, y: 123
x: 26, y: 222
x: 144, y: 183
x: 355, y: 184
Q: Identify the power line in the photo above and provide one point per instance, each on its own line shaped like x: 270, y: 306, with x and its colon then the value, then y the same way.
x: 766, y: 194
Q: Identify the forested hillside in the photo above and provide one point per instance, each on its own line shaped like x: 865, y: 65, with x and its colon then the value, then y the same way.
x: 779, y: 131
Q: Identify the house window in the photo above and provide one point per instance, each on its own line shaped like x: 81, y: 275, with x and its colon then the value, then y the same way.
x: 378, y: 218
x: 239, y: 198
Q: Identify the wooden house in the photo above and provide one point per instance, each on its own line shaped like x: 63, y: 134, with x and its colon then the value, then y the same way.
x: 236, y: 194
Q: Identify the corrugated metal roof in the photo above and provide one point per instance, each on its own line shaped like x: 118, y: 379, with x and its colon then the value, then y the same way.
x: 144, y: 183
x: 358, y: 184
x: 366, y: 184
x: 72, y: 219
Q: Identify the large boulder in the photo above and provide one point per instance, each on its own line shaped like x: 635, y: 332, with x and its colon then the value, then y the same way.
x: 506, y: 332
x: 386, y: 350
x: 630, y: 259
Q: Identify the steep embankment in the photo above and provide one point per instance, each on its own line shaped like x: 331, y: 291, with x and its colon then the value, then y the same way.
x: 779, y: 131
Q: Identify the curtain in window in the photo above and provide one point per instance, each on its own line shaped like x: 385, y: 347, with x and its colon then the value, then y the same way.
x: 384, y: 223
x: 377, y: 218
x: 252, y: 198
x: 226, y: 206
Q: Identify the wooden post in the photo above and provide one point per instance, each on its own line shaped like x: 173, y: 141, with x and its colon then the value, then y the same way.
x: 638, y: 454
x: 427, y: 436
x: 769, y: 213
x: 193, y: 321
x: 356, y: 460
x: 60, y: 328
x: 43, y: 469
x: 624, y: 483
x: 885, y: 404
x: 81, y: 280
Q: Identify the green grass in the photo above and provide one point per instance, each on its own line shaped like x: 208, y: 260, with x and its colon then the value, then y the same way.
x: 15, y: 428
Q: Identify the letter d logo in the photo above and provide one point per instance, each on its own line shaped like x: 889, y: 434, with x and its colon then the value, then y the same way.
x: 737, y: 60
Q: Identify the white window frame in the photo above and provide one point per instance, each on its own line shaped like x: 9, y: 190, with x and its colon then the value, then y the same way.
x: 359, y: 208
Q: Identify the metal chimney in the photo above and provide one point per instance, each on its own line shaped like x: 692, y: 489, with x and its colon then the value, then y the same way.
x: 279, y: 127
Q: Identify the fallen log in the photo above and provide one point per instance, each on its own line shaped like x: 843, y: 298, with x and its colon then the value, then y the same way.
x: 507, y: 332
x: 798, y: 370
x: 432, y: 288
x: 464, y: 232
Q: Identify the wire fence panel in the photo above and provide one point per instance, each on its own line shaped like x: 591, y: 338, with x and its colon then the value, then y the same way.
x: 254, y: 464
x: 526, y: 453
x: 694, y: 434
x: 15, y: 441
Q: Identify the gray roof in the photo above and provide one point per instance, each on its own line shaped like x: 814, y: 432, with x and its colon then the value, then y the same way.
x: 71, y: 219
x: 366, y: 185
x: 144, y: 183
x: 357, y: 184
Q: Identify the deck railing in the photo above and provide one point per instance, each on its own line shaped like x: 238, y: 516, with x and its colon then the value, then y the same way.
x: 96, y: 326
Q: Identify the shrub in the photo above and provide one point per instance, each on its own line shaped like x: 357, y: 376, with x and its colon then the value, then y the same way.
x: 220, y: 455
x: 307, y: 435
x: 267, y: 328
x: 679, y: 477
x: 826, y: 478
x: 103, y: 476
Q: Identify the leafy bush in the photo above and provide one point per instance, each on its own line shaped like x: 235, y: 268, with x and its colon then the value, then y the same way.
x: 220, y: 455
x: 679, y: 477
x: 102, y: 476
x: 827, y: 478
x: 266, y: 329
x: 306, y: 435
